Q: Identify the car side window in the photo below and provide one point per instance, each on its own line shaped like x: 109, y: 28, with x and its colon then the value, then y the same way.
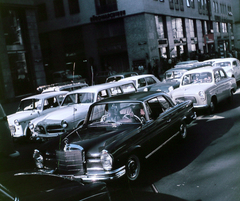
x: 217, y: 76
x: 222, y: 74
x: 150, y: 80
x: 165, y: 104
x: 234, y: 64
x: 115, y: 91
x: 156, y: 108
x: 50, y: 103
x: 141, y: 82
x: 103, y: 94
x: 128, y: 88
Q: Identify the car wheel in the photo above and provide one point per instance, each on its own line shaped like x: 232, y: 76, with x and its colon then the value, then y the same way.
x: 183, y: 130
x: 212, y: 106
x: 133, y: 167
x: 230, y: 99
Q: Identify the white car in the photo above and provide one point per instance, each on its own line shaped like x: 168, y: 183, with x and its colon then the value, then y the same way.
x: 74, y: 108
x: 205, y: 87
x: 32, y: 107
x: 230, y: 65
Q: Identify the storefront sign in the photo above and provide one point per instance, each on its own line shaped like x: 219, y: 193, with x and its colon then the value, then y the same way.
x: 98, y: 18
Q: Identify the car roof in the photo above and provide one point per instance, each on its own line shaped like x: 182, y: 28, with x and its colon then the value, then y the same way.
x: 222, y: 59
x: 96, y: 88
x: 133, y: 97
x: 204, y: 69
x: 135, y: 77
x: 46, y: 95
x: 122, y: 74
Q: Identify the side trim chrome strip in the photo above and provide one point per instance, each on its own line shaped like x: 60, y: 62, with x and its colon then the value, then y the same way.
x: 155, y: 150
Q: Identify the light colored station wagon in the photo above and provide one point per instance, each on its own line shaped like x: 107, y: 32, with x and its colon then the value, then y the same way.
x: 74, y: 108
x: 205, y: 87
x: 230, y: 65
x: 32, y: 107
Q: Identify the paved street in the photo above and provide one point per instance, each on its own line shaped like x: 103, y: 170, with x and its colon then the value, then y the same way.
x: 204, y: 167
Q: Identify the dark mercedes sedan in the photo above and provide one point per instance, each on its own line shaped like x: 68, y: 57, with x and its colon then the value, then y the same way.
x: 118, y: 135
x: 30, y: 186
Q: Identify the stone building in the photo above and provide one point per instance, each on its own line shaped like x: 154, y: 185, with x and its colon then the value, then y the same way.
x: 125, y: 35
x: 21, y: 68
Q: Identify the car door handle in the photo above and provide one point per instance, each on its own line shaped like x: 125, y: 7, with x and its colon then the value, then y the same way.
x: 169, y: 120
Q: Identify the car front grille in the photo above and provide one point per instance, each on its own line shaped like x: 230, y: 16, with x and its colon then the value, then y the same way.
x: 70, y: 162
x: 192, y: 98
x: 54, y: 129
x: 12, y: 129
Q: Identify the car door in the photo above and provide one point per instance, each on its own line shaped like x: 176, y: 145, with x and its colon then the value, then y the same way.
x: 158, y: 130
x: 222, y: 85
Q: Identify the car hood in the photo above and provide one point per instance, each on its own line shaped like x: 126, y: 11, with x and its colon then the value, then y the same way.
x: 93, y: 139
x: 165, y: 86
x: 22, y: 116
x: 191, y: 89
x: 65, y: 113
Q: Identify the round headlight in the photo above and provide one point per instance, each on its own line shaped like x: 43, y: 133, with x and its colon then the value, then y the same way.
x: 64, y: 124
x: 16, y: 122
x: 106, y: 160
x: 201, y: 94
x: 38, y: 158
x: 31, y: 126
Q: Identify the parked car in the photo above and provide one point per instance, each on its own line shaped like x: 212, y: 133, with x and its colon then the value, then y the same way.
x: 205, y: 87
x: 119, y: 133
x: 119, y: 76
x: 32, y: 107
x: 39, y: 186
x: 230, y: 65
x: 62, y: 87
x: 74, y: 109
x: 177, y: 72
x: 148, y: 82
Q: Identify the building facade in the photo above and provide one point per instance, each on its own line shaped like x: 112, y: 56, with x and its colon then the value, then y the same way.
x: 126, y: 35
x: 21, y: 68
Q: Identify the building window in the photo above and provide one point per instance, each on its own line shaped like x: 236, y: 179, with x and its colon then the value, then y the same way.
x: 171, y: 5
x: 42, y: 12
x: 190, y: 3
x: 105, y: 6
x: 191, y: 27
x: 58, y: 8
x: 224, y: 27
x: 177, y: 27
x: 217, y: 27
x: 160, y: 26
x: 73, y: 6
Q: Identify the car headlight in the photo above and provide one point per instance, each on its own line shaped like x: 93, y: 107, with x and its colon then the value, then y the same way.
x: 16, y: 122
x: 170, y: 88
x: 106, y: 160
x: 31, y: 126
x: 202, y: 95
x: 64, y: 124
x: 38, y: 158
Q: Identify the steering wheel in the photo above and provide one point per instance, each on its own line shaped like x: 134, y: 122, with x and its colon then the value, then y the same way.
x: 137, y: 117
x: 127, y: 116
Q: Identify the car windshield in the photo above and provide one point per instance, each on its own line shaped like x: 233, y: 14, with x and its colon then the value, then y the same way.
x: 113, y: 79
x: 30, y: 104
x: 173, y: 75
x: 223, y: 64
x: 203, y: 77
x: 78, y: 98
x: 127, y: 112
